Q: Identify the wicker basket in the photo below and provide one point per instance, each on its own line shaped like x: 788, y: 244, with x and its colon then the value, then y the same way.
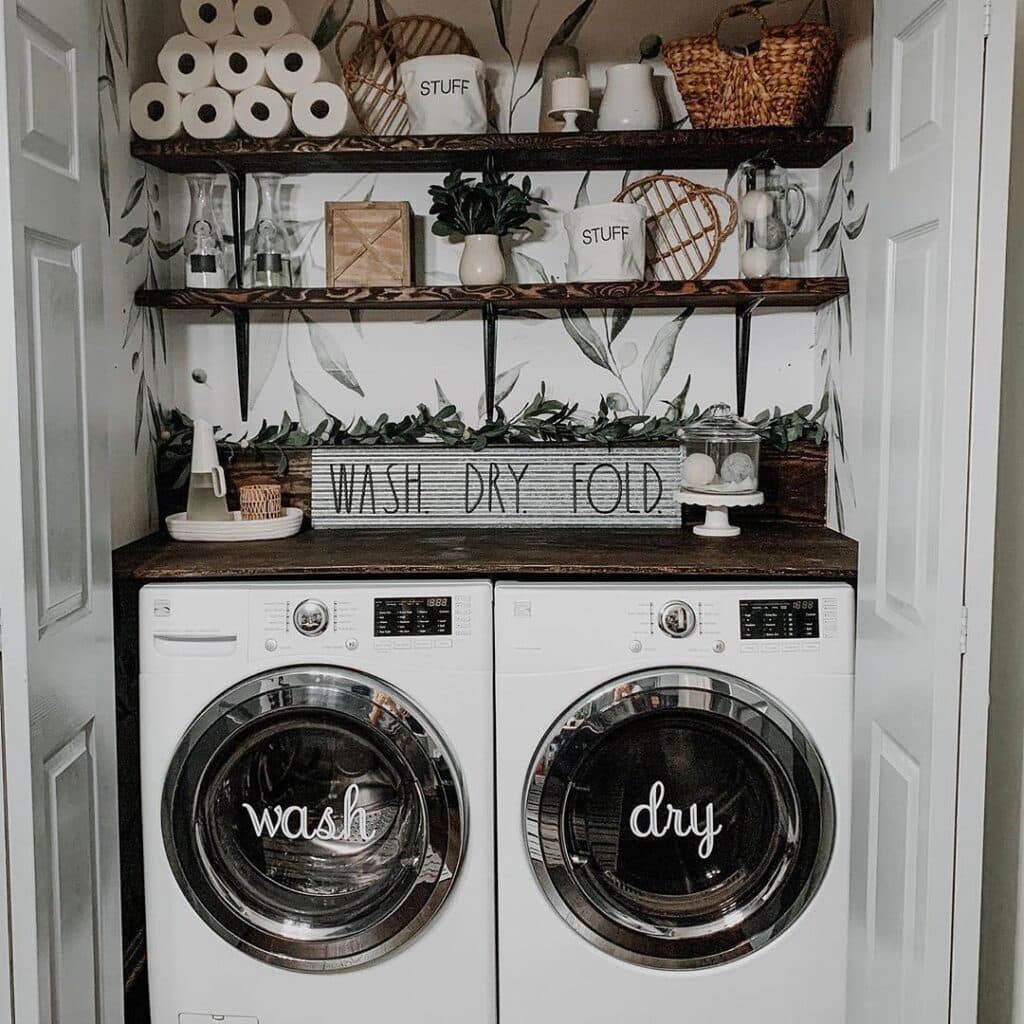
x: 260, y: 501
x: 786, y: 81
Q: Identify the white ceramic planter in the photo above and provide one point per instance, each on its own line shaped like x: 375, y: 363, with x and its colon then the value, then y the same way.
x: 629, y: 103
x: 482, y: 260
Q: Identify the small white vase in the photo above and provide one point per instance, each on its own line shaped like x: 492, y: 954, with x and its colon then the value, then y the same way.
x: 629, y: 103
x: 482, y: 260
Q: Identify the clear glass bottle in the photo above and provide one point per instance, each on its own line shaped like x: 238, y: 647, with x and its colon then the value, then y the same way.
x: 720, y: 454
x: 204, y: 237
x: 270, y: 265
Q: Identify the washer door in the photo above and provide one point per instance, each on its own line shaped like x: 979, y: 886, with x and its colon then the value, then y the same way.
x: 314, y: 818
x: 680, y: 819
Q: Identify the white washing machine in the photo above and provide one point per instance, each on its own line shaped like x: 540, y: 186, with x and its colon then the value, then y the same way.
x: 317, y: 786
x: 674, y: 775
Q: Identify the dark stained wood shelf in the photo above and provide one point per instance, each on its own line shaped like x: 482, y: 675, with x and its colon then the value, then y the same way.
x: 799, y: 292
x: 767, y: 551
x: 701, y: 148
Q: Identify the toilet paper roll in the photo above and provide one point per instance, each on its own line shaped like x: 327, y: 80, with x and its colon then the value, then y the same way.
x: 186, y: 63
x: 209, y: 20
x: 293, y: 63
x: 264, y: 21
x: 263, y: 112
x: 322, y: 111
x: 209, y: 113
x: 155, y: 112
x: 239, y: 64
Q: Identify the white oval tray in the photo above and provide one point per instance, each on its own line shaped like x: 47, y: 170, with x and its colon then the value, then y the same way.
x: 286, y: 525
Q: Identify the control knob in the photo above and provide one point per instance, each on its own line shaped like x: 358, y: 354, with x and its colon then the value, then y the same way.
x: 311, y: 617
x: 677, y: 619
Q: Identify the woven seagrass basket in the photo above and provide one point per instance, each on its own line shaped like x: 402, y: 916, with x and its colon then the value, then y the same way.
x: 785, y: 80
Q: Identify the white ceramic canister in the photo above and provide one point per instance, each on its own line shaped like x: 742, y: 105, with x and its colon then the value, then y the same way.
x: 607, y: 242
x: 446, y: 94
x: 482, y: 260
x: 629, y: 103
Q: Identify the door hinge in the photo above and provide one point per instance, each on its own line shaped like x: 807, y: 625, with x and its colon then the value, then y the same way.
x: 988, y: 18
x: 963, y: 630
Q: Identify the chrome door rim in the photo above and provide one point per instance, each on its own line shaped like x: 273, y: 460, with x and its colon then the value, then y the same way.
x: 396, y: 718
x: 591, y: 717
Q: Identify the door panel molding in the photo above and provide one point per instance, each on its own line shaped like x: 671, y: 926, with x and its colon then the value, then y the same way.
x: 49, y: 98
x: 54, y: 304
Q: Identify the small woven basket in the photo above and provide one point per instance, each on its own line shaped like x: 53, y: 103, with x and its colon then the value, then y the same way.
x: 786, y: 81
x: 260, y: 501
x: 371, y: 75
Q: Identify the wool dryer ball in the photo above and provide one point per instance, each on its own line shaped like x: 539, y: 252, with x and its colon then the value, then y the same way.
x: 698, y: 470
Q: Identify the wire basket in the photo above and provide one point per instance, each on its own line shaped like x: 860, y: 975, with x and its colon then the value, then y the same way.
x: 371, y: 73
x: 785, y: 80
x: 685, y: 228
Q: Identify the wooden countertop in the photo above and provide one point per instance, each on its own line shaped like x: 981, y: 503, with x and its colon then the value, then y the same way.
x: 775, y: 551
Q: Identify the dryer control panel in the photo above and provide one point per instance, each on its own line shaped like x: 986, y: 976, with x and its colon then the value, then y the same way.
x: 797, y: 627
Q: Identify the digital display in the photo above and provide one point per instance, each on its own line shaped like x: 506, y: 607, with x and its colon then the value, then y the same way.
x: 780, y: 620
x: 412, y: 616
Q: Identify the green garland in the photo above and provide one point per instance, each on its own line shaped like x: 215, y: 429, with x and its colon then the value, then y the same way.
x: 543, y: 420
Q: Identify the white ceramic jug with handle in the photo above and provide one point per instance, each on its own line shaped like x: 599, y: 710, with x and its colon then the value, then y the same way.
x: 207, y: 487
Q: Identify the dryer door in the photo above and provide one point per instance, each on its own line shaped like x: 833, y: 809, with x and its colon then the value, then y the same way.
x: 679, y: 819
x: 314, y: 818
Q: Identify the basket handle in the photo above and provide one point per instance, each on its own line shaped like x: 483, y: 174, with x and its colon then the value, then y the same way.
x: 730, y: 203
x: 367, y: 30
x: 734, y: 12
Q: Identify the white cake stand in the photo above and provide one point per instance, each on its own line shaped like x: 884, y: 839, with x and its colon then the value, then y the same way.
x: 570, y: 117
x: 716, y: 521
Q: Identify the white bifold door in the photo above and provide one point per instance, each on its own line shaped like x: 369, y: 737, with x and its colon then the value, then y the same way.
x: 60, y: 854
x: 915, y: 936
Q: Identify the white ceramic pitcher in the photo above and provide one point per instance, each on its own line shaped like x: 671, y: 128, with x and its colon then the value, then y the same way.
x: 629, y: 103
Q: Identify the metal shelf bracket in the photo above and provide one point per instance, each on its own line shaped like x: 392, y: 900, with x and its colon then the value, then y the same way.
x: 490, y: 320
x: 236, y: 179
x: 744, y: 316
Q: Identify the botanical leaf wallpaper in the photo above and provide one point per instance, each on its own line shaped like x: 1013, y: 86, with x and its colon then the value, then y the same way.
x: 342, y: 367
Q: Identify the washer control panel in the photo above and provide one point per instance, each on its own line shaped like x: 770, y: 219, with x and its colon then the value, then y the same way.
x: 311, y: 617
x: 392, y: 622
x: 677, y: 619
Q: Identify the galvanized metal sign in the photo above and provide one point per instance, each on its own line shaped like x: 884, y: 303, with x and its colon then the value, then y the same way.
x: 498, y: 487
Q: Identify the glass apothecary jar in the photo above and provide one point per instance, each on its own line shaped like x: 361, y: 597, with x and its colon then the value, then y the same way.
x: 719, y: 454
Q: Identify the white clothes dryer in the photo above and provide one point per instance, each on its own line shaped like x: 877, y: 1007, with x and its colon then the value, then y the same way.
x: 674, y: 783
x: 317, y: 787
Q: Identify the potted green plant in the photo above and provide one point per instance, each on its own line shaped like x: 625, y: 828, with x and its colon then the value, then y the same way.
x: 482, y: 212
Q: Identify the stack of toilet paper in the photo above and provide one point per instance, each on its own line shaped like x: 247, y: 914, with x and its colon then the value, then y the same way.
x: 240, y: 66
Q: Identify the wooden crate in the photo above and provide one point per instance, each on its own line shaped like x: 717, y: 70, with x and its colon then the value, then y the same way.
x: 369, y: 244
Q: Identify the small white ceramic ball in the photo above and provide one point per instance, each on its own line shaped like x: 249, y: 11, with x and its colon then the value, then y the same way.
x: 756, y: 205
x: 698, y: 470
x: 756, y: 262
x: 738, y: 467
